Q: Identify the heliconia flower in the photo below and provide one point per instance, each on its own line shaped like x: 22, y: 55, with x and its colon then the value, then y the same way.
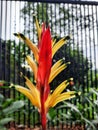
x: 44, y: 73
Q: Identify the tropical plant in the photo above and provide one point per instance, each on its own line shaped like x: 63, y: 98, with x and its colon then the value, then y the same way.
x: 44, y: 72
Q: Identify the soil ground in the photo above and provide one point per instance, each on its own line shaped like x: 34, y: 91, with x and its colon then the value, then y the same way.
x: 65, y: 127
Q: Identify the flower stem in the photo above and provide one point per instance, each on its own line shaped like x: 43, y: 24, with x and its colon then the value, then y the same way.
x: 43, y: 121
x: 43, y: 111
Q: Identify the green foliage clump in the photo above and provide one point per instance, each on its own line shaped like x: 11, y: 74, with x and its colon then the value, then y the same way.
x: 80, y: 112
x: 7, y: 108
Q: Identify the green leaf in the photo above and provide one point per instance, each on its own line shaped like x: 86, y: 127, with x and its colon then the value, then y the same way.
x: 69, y: 105
x: 14, y: 107
x: 7, y: 103
x: 1, y: 97
x: 94, y: 91
x: 89, y: 123
x: 73, y: 107
x: 51, y: 114
x: 5, y: 121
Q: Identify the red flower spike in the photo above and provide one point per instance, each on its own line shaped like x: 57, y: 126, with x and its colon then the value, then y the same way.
x: 44, y: 69
x: 45, y: 60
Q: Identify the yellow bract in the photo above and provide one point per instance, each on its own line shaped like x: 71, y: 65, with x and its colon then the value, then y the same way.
x: 33, y: 90
x: 33, y: 65
x: 56, y: 72
x: 31, y: 45
x: 56, y: 65
x: 38, y: 28
x: 62, y: 97
x: 58, y: 45
x: 51, y: 100
x: 31, y: 96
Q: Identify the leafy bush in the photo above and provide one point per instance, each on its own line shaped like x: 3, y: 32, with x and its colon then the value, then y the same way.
x: 7, y: 108
x: 70, y: 113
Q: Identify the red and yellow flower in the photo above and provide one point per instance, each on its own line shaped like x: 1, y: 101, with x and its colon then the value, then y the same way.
x: 44, y: 73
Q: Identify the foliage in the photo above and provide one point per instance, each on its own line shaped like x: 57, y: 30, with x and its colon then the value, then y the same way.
x: 8, y: 107
x: 76, y: 113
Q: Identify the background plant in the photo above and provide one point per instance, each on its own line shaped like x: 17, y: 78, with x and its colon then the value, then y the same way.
x: 69, y: 113
x: 7, y: 108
